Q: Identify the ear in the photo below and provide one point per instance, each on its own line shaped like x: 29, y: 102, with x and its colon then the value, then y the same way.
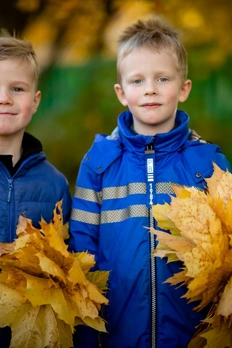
x: 120, y: 94
x: 36, y: 101
x: 185, y: 90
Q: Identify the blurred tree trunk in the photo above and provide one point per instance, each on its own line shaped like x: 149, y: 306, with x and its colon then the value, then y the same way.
x: 14, y: 19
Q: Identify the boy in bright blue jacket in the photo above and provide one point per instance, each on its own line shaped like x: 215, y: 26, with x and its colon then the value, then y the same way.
x: 123, y: 175
x: 29, y: 185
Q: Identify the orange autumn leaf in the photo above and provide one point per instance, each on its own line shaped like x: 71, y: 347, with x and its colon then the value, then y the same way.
x: 47, y: 281
x: 200, y: 235
x: 6, y: 248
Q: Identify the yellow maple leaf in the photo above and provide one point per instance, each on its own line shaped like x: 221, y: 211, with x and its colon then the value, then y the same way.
x: 160, y: 213
x: 45, y: 282
x: 27, y: 322
x: 225, y: 303
x: 85, y: 260
x: 99, y: 279
x: 218, y: 336
x: 220, y: 184
x: 199, y: 226
x: 170, y: 246
x: 214, y: 337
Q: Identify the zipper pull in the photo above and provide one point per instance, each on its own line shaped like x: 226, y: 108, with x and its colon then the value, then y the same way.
x: 149, y: 148
x: 150, y: 173
x: 10, y: 187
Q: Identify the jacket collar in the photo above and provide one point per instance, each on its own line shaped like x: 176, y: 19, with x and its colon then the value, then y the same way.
x: 163, y: 143
x: 30, y: 146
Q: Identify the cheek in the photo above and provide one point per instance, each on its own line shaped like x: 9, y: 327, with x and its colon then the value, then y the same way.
x: 132, y: 96
x: 27, y: 109
x: 172, y: 94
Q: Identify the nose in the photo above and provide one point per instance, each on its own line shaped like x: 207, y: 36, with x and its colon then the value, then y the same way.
x: 5, y: 97
x: 150, y: 89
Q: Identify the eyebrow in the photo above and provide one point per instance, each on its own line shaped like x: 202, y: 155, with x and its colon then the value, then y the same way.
x: 16, y: 82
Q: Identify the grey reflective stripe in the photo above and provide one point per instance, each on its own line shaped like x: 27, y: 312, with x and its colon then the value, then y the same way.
x: 164, y: 187
x: 84, y: 216
x: 111, y: 216
x: 124, y: 191
x: 117, y: 192
x: 88, y: 195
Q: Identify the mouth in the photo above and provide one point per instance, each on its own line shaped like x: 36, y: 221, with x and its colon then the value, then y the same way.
x: 7, y: 113
x: 151, y: 105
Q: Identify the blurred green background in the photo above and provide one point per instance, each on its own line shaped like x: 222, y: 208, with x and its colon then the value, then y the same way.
x: 76, y: 44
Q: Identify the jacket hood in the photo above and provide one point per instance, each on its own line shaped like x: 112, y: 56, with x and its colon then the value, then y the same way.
x: 163, y: 142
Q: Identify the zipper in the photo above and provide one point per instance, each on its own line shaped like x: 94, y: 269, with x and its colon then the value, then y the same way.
x: 10, y: 187
x: 153, y: 284
x: 10, y: 181
x: 150, y: 180
x: 10, y: 208
x: 101, y: 334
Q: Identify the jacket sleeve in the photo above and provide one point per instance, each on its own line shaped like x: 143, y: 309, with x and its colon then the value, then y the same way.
x: 66, y: 202
x: 219, y: 159
x: 87, y: 200
x: 59, y: 191
x: 200, y: 158
x: 222, y: 161
x: 84, y: 230
x: 85, y: 214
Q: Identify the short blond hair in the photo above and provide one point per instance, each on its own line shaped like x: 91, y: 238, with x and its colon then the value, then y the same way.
x: 156, y: 34
x: 19, y: 50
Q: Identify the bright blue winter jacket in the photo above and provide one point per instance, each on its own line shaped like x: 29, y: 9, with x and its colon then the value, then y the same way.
x: 121, y: 176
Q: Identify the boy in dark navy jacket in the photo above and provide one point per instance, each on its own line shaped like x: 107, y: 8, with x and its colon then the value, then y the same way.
x: 29, y: 185
x: 123, y: 175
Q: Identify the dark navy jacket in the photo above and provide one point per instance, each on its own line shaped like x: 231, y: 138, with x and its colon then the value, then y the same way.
x: 121, y: 176
x: 33, y: 191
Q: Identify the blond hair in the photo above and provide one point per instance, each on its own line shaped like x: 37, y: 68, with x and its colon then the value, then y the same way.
x: 155, y: 34
x: 20, y: 50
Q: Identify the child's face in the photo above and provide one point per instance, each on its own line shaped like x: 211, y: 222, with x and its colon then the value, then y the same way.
x: 18, y: 98
x: 151, y: 88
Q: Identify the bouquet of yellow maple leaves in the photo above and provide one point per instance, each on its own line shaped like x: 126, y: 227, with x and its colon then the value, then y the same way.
x: 45, y: 290
x: 200, y: 225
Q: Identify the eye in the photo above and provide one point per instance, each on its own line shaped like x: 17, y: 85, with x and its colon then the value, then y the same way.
x: 162, y: 79
x: 137, y: 81
x: 17, y: 89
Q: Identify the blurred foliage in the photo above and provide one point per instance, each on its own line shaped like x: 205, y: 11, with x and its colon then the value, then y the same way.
x: 76, y: 42
x: 79, y: 102
x: 72, y: 31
